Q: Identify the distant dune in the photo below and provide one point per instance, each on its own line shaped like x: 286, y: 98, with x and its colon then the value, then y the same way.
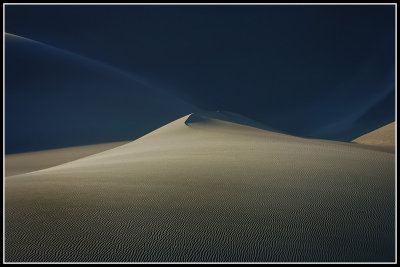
x: 206, y: 189
x: 384, y: 136
x: 85, y: 101
x: 34, y: 161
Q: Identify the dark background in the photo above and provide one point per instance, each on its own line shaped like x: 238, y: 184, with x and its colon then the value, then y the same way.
x: 106, y: 73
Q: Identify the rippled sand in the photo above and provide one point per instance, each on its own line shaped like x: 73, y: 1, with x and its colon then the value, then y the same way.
x: 201, y: 189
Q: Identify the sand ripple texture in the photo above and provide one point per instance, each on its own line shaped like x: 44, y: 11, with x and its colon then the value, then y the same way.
x: 207, y: 191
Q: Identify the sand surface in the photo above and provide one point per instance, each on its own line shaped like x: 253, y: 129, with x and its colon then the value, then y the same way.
x: 202, y: 189
x: 33, y: 161
x: 382, y: 137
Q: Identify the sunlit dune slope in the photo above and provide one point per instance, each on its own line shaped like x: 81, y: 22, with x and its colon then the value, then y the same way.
x: 384, y: 136
x: 203, y: 189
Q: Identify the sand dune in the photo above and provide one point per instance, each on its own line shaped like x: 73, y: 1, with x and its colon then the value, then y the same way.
x: 203, y: 189
x: 33, y: 161
x: 383, y: 137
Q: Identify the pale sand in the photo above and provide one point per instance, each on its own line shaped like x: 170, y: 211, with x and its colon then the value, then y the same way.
x: 201, y: 189
x: 382, y: 137
x: 38, y: 160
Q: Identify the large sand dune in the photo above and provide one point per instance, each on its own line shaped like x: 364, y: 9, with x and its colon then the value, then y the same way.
x: 203, y: 189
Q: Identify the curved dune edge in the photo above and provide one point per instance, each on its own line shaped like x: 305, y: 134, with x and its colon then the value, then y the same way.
x: 382, y: 137
x: 22, y: 163
x: 213, y: 192
x: 113, y: 103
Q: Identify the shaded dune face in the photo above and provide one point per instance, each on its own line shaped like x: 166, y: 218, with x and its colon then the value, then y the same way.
x: 203, y: 189
x: 221, y: 116
x: 68, y: 100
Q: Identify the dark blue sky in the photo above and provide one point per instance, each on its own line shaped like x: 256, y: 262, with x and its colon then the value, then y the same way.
x: 316, y: 71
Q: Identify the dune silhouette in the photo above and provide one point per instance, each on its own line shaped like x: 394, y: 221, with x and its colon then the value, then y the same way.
x: 205, y: 189
x: 207, y: 133
x: 67, y: 100
x: 83, y: 101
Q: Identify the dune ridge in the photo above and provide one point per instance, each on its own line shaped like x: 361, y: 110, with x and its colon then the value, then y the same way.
x: 204, y: 189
